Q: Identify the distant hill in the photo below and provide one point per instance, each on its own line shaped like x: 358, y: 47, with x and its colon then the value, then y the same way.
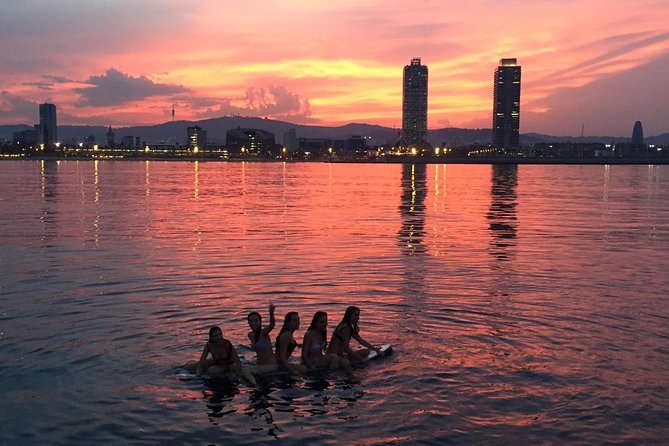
x: 175, y: 132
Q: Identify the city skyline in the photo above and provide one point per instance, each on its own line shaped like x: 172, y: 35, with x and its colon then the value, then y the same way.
x: 588, y: 65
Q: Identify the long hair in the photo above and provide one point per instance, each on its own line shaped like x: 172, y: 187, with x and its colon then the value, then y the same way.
x: 285, y: 326
x: 346, y: 320
x: 314, y: 323
x: 256, y: 333
x: 213, y: 330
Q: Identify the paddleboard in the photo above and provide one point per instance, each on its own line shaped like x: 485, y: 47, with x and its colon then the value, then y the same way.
x: 385, y: 350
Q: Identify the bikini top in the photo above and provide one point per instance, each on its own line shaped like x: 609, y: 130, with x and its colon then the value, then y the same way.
x: 338, y: 330
x: 318, y: 346
x: 289, y: 349
x: 262, y: 345
x: 228, y: 358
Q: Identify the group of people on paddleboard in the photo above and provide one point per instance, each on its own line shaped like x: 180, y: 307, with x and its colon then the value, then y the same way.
x: 219, y: 356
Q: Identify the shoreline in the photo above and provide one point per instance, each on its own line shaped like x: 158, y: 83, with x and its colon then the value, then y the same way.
x: 386, y: 160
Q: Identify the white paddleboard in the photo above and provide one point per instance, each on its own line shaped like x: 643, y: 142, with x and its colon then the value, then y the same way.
x: 385, y: 349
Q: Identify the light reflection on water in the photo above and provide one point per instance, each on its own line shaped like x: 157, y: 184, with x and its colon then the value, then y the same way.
x: 525, y: 304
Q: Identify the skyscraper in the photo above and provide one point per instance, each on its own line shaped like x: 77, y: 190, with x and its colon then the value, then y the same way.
x: 48, y: 132
x: 637, y: 134
x: 506, y: 105
x: 197, y: 137
x: 414, y: 103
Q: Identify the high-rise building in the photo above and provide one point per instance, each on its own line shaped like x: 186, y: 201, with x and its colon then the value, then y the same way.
x: 637, y: 134
x: 414, y: 103
x: 197, y: 137
x: 48, y: 130
x: 506, y: 105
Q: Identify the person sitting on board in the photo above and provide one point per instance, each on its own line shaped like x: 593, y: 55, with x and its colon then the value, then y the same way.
x: 224, y: 358
x: 341, y: 338
x: 261, y: 343
x: 314, y: 343
x: 285, y: 343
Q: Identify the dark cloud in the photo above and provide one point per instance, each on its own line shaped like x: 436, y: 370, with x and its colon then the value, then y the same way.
x: 13, y: 108
x: 116, y: 88
x: 275, y: 102
x: 49, y: 82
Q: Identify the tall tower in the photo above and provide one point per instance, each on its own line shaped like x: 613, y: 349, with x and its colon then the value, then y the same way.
x: 414, y: 103
x: 506, y: 105
x: 48, y: 129
x: 637, y: 134
x: 197, y: 137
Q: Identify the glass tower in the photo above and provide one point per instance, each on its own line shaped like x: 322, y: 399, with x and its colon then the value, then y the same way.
x: 506, y: 105
x: 414, y: 103
x: 48, y: 134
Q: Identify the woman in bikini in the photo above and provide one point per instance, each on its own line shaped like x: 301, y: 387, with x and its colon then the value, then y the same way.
x: 224, y: 358
x: 261, y: 343
x: 314, y: 343
x: 285, y: 344
x: 341, y: 338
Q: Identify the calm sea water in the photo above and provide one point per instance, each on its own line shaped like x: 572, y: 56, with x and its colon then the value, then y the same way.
x: 526, y: 305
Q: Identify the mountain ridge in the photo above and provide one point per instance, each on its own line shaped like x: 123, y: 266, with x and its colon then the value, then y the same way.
x: 173, y: 132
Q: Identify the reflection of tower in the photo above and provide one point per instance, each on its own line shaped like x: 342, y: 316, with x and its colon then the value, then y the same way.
x: 502, y: 214
x: 506, y: 105
x: 50, y: 204
x: 414, y: 103
x: 48, y: 130
x: 412, y: 208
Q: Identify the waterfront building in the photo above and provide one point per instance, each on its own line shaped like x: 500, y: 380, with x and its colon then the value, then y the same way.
x: 637, y: 134
x: 48, y: 128
x: 197, y: 137
x: 131, y: 142
x: 250, y: 141
x: 290, y: 141
x: 26, y: 138
x: 331, y: 147
x: 414, y: 103
x: 571, y: 150
x: 635, y: 148
x: 506, y: 105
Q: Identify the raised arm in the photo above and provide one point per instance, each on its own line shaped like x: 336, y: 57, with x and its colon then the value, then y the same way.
x: 272, y: 321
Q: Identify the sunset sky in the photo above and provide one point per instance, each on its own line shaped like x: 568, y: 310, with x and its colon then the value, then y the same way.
x: 602, y: 64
